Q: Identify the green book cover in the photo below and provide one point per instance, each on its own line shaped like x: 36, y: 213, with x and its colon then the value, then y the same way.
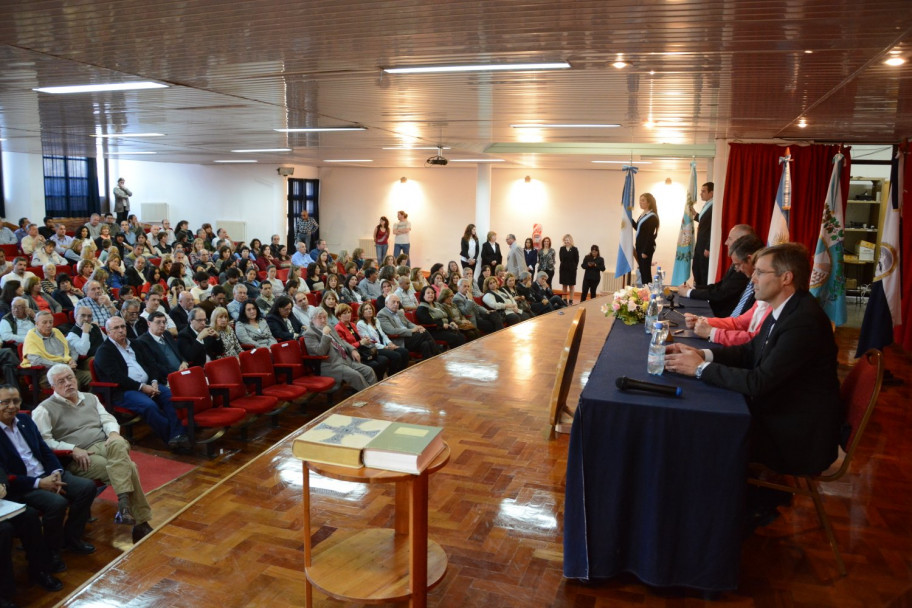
x: 403, y: 447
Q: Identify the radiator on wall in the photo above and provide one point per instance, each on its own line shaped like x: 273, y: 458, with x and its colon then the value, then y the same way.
x: 237, y: 230
x: 154, y: 212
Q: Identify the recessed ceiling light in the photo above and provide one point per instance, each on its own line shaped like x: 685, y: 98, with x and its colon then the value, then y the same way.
x: 620, y: 162
x: 802, y: 123
x: 895, y: 61
x: 417, y: 148
x: 649, y: 124
x: 257, y: 150
x: 348, y: 160
x: 484, y: 67
x: 235, y: 162
x: 97, y: 88
x: 620, y: 65
x: 476, y: 160
x: 808, y: 52
x: 566, y: 126
x: 125, y: 135
x: 319, y: 129
x: 128, y: 153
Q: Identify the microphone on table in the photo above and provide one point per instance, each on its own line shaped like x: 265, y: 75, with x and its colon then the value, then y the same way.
x: 629, y: 384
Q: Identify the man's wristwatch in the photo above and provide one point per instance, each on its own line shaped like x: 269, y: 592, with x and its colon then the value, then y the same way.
x: 700, y: 369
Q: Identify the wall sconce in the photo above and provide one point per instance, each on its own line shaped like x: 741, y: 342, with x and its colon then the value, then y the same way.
x: 402, y: 180
x: 667, y: 181
x: 528, y: 179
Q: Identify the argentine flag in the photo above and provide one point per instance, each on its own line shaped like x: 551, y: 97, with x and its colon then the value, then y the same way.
x: 779, y: 225
x: 625, y: 261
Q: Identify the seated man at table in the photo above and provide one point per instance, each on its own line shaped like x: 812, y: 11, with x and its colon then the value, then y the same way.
x: 75, y: 421
x: 723, y: 296
x: 787, y: 372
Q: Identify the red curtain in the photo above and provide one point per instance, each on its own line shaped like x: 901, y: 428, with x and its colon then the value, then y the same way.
x: 752, y: 179
x: 903, y: 334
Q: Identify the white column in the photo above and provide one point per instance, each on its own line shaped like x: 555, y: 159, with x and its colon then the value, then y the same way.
x: 483, y: 200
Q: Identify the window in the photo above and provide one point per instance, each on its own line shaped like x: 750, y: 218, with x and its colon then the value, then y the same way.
x: 70, y: 186
x: 303, y: 194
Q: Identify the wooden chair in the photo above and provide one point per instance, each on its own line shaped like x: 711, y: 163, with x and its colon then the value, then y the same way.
x: 859, y: 395
x: 565, y: 367
x: 192, y: 399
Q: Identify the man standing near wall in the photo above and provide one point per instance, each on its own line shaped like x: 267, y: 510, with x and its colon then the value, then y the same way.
x: 704, y: 236
x: 122, y: 196
x: 305, y: 227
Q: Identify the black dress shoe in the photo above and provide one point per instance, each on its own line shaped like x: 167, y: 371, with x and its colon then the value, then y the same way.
x: 140, y: 531
x: 47, y: 581
x: 57, y: 564
x: 81, y: 547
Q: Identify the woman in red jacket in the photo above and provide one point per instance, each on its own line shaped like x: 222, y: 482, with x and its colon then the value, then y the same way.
x: 370, y: 354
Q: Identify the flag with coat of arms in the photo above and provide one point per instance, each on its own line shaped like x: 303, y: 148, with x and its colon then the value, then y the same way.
x: 685, y: 251
x: 828, y: 274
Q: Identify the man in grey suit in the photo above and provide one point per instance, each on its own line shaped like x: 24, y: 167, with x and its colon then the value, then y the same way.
x: 344, y: 362
x: 478, y: 315
x: 402, y: 331
x: 516, y: 261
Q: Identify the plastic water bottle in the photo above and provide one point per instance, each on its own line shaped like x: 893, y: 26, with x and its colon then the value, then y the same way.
x: 659, y: 279
x: 655, y: 362
x: 652, y: 313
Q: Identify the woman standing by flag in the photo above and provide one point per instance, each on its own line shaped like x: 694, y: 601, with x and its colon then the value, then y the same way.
x: 647, y: 229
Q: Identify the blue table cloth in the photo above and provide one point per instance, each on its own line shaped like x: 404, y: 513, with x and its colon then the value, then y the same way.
x: 655, y: 484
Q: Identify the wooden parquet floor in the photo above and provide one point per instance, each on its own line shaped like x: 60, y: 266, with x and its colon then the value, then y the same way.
x: 230, y: 533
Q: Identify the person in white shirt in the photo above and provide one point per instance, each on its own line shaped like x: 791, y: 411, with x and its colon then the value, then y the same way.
x: 32, y: 241
x: 64, y: 243
x: 302, y: 309
x: 153, y: 303
x: 46, y: 254
x: 18, y: 273
x: 7, y: 237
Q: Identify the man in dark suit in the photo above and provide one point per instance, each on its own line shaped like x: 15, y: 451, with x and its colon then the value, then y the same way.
x: 163, y: 344
x: 181, y: 313
x: 136, y: 325
x: 787, y: 372
x: 191, y: 339
x: 723, y: 296
x: 27, y: 526
x: 704, y: 236
x: 132, y: 366
x: 36, y: 478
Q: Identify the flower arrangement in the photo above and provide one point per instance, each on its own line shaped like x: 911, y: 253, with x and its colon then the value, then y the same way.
x: 629, y: 305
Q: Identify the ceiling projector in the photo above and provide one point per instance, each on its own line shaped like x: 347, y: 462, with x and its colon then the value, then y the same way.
x: 437, y: 160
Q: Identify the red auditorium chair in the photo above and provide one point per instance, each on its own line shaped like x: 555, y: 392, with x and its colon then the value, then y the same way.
x: 193, y: 401
x: 102, y: 390
x: 225, y: 376
x: 288, y: 356
x: 257, y: 363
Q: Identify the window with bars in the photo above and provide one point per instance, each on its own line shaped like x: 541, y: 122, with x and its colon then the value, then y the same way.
x: 70, y: 186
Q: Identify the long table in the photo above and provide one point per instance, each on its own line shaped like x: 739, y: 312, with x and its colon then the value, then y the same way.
x: 654, y: 484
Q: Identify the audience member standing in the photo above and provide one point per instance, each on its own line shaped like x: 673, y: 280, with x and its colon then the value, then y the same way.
x: 647, y: 229
x: 593, y: 266
x: 569, y: 261
x: 381, y: 238
x: 402, y: 229
x: 122, y: 196
x: 469, y: 248
x: 305, y: 227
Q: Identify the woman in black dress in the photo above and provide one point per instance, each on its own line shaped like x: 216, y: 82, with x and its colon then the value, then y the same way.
x: 569, y: 261
x: 593, y: 266
x: 647, y: 229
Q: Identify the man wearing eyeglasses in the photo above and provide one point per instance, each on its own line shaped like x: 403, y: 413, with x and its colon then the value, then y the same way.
x: 787, y: 372
x: 723, y: 296
x: 37, y: 479
x: 133, y: 367
x: 75, y: 421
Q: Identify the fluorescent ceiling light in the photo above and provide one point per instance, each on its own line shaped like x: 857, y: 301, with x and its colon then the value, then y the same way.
x: 319, y: 129
x: 348, y: 160
x: 476, y: 160
x: 620, y: 162
x: 236, y: 161
x: 895, y: 61
x: 253, y: 151
x: 125, y: 135
x: 127, y: 153
x: 417, y: 148
x: 484, y: 67
x: 566, y: 126
x: 97, y: 88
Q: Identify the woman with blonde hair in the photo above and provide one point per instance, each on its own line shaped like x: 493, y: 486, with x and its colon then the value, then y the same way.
x: 647, y: 230
x: 569, y: 262
x: 225, y: 342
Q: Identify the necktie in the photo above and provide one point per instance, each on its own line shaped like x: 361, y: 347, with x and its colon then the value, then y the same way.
x: 745, y: 296
x: 764, y: 335
x: 338, y: 347
x: 170, y: 357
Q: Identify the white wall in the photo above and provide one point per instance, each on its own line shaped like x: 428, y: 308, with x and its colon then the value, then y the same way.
x: 23, y: 186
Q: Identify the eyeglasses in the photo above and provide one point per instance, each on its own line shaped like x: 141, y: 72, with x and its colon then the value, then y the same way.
x: 759, y: 272
x: 14, y: 402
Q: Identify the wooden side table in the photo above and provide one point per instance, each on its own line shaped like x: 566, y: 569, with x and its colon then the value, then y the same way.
x: 377, y: 564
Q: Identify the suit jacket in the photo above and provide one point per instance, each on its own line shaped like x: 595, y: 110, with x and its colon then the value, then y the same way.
x: 278, y: 328
x: 490, y: 256
x: 396, y: 331
x: 791, y: 386
x: 180, y: 317
x: 646, y: 235
x: 516, y: 260
x: 66, y: 304
x: 319, y: 344
x: 191, y: 350
x: 111, y: 367
x: 703, y: 242
x: 724, y: 295
x: 141, y: 327
x: 170, y: 342
x: 19, y: 481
